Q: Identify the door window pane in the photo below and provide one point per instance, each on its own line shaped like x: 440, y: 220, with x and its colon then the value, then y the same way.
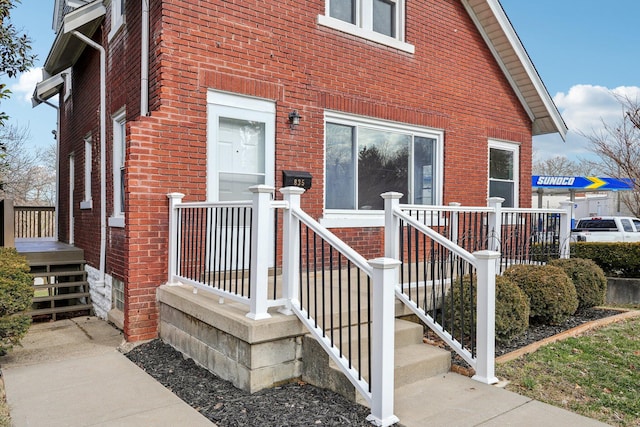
x: 241, y: 153
x: 344, y: 10
x: 384, y: 17
x: 340, y: 167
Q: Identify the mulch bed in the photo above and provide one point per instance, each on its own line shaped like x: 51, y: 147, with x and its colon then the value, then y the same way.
x: 534, y: 334
x: 296, y: 403
x: 293, y: 404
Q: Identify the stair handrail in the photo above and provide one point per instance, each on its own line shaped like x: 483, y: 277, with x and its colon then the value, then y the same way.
x: 382, y: 272
x: 485, y: 264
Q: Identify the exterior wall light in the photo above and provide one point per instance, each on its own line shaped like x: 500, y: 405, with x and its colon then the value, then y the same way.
x: 294, y: 119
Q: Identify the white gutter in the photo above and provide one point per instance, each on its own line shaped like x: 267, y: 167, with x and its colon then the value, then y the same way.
x: 103, y: 156
x: 144, y: 60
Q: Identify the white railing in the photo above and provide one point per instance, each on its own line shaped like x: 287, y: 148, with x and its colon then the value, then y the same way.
x: 227, y: 248
x: 197, y: 232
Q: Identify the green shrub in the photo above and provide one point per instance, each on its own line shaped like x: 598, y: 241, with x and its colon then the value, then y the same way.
x: 617, y: 259
x: 587, y: 277
x: 512, y: 308
x: 16, y: 294
x: 552, y: 296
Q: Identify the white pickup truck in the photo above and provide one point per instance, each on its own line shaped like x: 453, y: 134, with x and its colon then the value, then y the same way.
x: 607, y: 229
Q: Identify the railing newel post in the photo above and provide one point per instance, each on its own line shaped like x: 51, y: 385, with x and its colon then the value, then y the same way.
x: 486, y: 316
x: 290, y: 247
x: 495, y: 226
x: 174, y: 246
x: 259, y: 274
x: 384, y: 280
x: 564, y: 239
x: 391, y: 224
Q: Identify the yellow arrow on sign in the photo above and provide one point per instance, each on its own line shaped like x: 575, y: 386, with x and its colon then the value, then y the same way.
x: 597, y: 182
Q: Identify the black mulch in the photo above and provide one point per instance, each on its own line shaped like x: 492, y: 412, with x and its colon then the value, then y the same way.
x: 293, y: 404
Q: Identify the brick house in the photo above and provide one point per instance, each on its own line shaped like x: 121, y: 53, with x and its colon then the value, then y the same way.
x: 207, y: 98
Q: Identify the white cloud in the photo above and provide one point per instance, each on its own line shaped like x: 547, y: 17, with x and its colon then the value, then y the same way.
x: 584, y: 108
x: 27, y: 83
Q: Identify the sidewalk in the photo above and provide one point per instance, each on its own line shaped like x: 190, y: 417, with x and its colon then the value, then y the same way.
x: 69, y: 374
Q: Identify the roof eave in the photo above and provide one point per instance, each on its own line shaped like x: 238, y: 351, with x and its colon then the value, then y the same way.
x: 66, y: 47
x: 531, y: 91
x: 47, y: 89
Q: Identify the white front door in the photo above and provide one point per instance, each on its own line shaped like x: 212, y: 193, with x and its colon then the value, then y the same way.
x: 241, y: 144
x: 240, y: 154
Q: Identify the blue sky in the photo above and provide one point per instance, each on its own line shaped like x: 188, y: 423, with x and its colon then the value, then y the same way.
x: 584, y: 51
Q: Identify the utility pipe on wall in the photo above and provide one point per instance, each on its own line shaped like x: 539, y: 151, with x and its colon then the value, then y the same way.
x: 103, y: 156
x: 144, y: 60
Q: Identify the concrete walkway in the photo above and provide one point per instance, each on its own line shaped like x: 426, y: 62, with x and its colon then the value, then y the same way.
x: 70, y: 374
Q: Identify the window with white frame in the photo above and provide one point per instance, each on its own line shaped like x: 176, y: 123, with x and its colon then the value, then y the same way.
x: 503, y: 172
x: 117, y: 16
x: 88, y: 158
x: 365, y: 158
x: 119, y: 141
x: 382, y: 21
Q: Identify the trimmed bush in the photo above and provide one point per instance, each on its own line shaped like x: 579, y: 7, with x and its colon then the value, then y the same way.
x: 618, y: 259
x: 16, y: 294
x: 552, y: 296
x: 512, y: 308
x: 587, y: 277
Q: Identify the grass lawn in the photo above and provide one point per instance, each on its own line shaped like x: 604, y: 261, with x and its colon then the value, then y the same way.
x: 596, y: 374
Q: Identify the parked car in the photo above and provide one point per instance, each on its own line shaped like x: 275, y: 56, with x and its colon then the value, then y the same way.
x: 607, y: 229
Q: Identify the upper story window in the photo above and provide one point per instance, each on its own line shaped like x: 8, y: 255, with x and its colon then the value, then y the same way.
x: 365, y: 158
x: 117, y: 16
x: 503, y: 172
x: 382, y: 21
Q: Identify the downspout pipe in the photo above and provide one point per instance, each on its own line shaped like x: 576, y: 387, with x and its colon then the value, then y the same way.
x: 57, y: 138
x: 103, y: 155
x: 144, y: 60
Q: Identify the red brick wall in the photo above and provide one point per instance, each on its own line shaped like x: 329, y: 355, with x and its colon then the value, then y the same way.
x: 276, y: 50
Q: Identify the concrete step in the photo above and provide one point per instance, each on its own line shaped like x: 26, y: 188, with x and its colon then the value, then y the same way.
x: 414, y: 361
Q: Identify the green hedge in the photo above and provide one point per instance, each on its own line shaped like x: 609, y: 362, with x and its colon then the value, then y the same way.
x: 587, y: 277
x: 16, y: 294
x: 616, y: 259
x: 552, y: 295
x: 512, y: 308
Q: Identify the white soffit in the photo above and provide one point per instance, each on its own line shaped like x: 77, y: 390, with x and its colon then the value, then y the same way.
x: 67, y: 48
x: 498, y: 33
x: 47, y: 89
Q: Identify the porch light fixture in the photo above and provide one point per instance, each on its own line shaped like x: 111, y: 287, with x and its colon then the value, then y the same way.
x: 294, y: 119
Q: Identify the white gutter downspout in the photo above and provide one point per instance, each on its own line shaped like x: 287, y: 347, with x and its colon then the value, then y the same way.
x: 57, y: 138
x: 144, y: 60
x: 103, y: 156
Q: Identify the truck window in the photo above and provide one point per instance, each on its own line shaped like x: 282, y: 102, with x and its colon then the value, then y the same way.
x: 592, y: 224
x: 626, y: 225
x: 636, y: 222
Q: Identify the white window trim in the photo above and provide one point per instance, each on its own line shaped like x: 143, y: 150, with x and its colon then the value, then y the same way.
x: 117, y: 218
x: 117, y: 18
x: 346, y: 218
x: 363, y: 28
x: 66, y: 75
x: 87, y: 202
x: 515, y: 148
